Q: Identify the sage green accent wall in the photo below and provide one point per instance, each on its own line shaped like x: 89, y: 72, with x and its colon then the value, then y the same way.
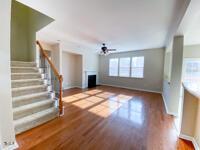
x: 25, y: 22
x: 19, y: 32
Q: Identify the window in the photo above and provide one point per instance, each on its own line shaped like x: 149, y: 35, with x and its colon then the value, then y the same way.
x: 113, y: 67
x: 137, y: 67
x: 192, y: 70
x: 127, y: 67
x: 124, y: 67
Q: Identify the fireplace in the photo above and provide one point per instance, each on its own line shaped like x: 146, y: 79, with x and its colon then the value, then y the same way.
x: 91, y: 81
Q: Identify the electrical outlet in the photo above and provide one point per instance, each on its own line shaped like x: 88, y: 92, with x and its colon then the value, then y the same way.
x: 9, y: 143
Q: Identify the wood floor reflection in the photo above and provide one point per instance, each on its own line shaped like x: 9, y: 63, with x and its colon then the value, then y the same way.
x: 107, y: 118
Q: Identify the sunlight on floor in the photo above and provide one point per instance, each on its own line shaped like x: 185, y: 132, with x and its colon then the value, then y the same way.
x: 83, y: 104
x: 121, y: 98
x: 94, y: 99
x: 111, y: 104
x: 93, y: 92
x: 74, y: 97
x: 135, y: 114
x: 105, y: 104
x: 105, y: 94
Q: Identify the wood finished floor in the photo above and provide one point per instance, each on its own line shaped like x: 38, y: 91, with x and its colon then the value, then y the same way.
x: 107, y: 118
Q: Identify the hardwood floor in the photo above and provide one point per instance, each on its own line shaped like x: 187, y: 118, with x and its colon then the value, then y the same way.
x: 107, y: 118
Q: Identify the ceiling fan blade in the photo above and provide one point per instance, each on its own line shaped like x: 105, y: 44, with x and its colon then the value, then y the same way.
x: 111, y: 49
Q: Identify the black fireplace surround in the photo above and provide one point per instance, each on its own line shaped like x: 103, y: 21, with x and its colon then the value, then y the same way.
x: 91, y: 81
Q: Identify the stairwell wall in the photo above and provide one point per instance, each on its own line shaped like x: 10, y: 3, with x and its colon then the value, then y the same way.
x: 7, y: 134
x: 25, y: 22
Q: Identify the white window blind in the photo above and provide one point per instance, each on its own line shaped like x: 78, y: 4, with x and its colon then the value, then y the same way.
x: 124, y: 67
x: 137, y: 67
x: 113, y: 67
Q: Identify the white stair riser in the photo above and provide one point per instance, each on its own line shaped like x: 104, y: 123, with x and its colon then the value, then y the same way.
x: 28, y: 91
x: 25, y: 76
x: 24, y: 113
x: 28, y: 83
x: 30, y: 100
x: 23, y: 64
x: 24, y: 70
x: 29, y: 125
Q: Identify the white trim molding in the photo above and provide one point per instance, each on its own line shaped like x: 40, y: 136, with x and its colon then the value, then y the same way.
x: 189, y: 138
x: 166, y: 108
x: 87, y: 73
x: 70, y: 87
x: 137, y: 89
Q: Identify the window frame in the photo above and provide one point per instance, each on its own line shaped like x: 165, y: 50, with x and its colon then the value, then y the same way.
x: 117, y: 68
x: 130, y: 67
x: 127, y: 67
x: 131, y: 74
x: 184, y: 66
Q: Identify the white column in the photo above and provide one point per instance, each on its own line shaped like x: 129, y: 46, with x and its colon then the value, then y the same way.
x: 7, y: 134
x: 176, y: 74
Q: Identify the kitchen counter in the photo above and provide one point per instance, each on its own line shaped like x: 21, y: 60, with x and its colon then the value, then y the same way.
x: 192, y: 88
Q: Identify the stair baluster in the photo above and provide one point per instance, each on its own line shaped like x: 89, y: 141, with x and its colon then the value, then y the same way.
x: 52, y: 76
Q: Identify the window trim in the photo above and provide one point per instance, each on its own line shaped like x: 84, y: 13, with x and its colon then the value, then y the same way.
x: 130, y: 70
x: 184, y: 65
x: 117, y: 68
x: 133, y: 67
x: 129, y: 67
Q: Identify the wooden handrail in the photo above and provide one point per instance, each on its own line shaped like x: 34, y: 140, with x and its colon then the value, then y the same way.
x: 60, y: 78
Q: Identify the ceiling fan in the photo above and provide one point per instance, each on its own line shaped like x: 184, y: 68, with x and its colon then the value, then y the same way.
x: 105, y: 50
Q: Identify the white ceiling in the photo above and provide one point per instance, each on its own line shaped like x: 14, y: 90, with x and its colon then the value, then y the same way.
x: 124, y: 25
x: 190, y: 25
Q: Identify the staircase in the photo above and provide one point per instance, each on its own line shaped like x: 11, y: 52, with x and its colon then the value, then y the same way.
x: 33, y: 104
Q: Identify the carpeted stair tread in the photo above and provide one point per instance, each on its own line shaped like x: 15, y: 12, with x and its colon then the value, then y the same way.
x: 26, y: 82
x: 18, y: 98
x: 34, y: 120
x: 32, y: 103
x: 30, y: 98
x: 23, y: 64
x: 16, y: 69
x: 29, y: 109
x: 20, y: 76
x: 28, y: 90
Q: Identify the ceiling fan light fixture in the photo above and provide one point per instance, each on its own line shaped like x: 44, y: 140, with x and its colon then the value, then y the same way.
x: 105, y: 51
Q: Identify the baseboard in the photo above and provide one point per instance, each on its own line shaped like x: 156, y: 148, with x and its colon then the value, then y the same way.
x: 10, y: 147
x: 70, y: 87
x: 130, y: 88
x: 166, y: 108
x: 192, y: 139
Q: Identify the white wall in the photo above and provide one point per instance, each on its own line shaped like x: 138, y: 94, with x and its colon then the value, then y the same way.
x: 176, y: 75
x: 191, y: 51
x: 7, y: 133
x: 173, y: 76
x: 71, y: 70
x: 55, y: 51
x: 25, y: 23
x: 167, y: 77
x: 90, y: 59
x: 153, y: 70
